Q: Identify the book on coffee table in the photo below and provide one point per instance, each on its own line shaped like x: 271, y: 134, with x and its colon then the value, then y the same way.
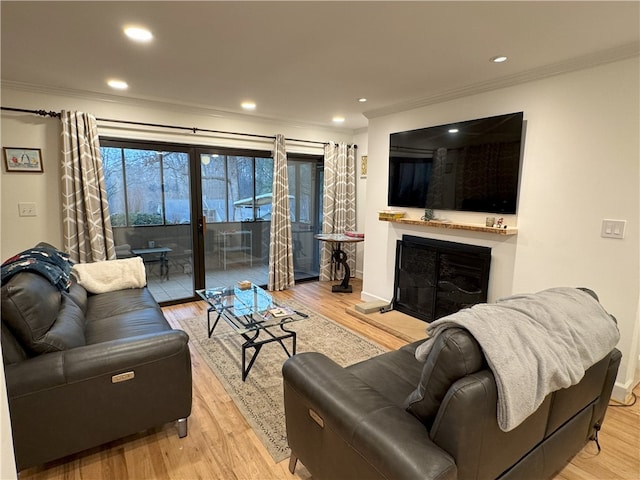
x: 281, y: 312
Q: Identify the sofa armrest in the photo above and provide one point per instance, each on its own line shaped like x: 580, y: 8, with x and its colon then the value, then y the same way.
x: 64, y: 402
x: 466, y: 427
x: 607, y: 388
x: 340, y: 427
x: 75, y: 365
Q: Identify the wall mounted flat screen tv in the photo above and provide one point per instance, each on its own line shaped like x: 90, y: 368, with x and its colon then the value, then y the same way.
x: 470, y: 166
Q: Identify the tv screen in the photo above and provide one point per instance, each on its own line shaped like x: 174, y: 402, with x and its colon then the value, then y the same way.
x: 469, y: 166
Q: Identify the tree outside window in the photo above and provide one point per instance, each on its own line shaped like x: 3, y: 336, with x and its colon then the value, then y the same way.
x: 146, y: 187
x: 236, y: 188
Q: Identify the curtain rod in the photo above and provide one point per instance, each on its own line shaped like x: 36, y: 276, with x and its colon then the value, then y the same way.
x: 44, y: 113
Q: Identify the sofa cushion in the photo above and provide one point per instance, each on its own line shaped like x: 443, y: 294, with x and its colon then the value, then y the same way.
x: 393, y: 374
x: 119, y: 302
x: 12, y: 351
x: 123, y: 314
x: 454, y: 355
x: 126, y: 325
x: 67, y: 331
x: 77, y: 295
x: 39, y: 316
x: 30, y: 305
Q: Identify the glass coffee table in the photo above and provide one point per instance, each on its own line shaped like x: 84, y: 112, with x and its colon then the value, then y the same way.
x: 250, y: 312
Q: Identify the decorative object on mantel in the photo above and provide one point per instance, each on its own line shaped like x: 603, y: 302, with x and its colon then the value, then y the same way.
x: 428, y: 214
x: 390, y: 215
x: 453, y: 225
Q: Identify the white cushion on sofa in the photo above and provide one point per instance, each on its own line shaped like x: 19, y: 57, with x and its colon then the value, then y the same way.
x: 111, y: 275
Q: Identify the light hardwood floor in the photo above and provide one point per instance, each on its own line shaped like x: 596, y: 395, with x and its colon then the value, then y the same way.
x: 221, y: 445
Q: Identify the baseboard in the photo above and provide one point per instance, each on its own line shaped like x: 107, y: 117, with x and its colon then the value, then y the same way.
x: 367, y: 297
x: 622, y: 391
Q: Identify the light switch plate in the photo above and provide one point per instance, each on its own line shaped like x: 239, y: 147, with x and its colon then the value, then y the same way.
x: 26, y: 209
x: 613, y: 228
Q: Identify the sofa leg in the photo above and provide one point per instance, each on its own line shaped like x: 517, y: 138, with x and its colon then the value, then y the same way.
x: 293, y: 460
x: 182, y: 427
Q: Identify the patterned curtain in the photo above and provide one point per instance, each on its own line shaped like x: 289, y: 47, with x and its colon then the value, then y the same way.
x: 88, y: 236
x: 339, y: 204
x: 281, y: 244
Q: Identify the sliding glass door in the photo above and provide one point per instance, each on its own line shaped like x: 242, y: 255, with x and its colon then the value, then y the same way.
x: 149, y: 193
x: 236, y: 206
x: 305, y: 192
x: 201, y: 217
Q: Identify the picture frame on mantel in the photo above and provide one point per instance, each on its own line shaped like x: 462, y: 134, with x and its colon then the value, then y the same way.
x: 23, y: 159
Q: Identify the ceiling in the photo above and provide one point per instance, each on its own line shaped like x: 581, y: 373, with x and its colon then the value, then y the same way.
x: 306, y: 62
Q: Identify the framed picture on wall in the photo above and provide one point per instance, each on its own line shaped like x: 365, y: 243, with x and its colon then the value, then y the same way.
x: 23, y: 159
x: 363, y: 166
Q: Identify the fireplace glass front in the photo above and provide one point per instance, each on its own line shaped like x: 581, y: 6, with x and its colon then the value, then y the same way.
x: 434, y: 278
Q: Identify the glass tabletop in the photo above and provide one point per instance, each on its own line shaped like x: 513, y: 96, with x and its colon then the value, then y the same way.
x: 248, y: 309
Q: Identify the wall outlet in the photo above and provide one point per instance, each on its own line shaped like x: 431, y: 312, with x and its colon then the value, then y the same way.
x: 27, y: 209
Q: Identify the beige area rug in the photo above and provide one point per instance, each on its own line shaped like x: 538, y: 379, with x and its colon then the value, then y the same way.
x: 260, y: 396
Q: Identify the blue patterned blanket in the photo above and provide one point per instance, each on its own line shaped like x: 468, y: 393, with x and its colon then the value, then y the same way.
x: 52, y: 264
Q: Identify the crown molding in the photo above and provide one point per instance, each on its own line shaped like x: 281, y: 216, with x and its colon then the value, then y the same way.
x: 603, y: 57
x: 161, y: 104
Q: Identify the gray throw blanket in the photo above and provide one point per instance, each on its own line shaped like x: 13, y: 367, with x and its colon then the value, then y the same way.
x: 534, y: 344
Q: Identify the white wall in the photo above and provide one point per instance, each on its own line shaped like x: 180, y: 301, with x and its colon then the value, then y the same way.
x: 580, y: 166
x: 361, y: 140
x: 27, y: 130
x: 43, y: 189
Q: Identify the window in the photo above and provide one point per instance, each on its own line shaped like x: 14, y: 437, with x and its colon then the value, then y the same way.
x: 236, y: 188
x: 146, y: 187
x: 154, y: 189
x: 300, y: 186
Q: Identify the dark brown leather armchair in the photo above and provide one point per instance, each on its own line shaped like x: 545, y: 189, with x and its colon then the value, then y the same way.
x: 84, y: 369
x: 369, y: 421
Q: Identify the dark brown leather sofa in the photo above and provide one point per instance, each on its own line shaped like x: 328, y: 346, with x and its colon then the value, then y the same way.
x: 357, y: 423
x: 84, y: 369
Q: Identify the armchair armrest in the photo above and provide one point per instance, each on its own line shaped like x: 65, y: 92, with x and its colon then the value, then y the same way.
x: 340, y: 427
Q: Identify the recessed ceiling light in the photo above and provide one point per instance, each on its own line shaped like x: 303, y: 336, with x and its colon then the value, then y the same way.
x: 499, y: 59
x: 362, y: 100
x: 338, y: 119
x: 248, y: 105
x: 118, y: 84
x: 453, y: 130
x: 138, y: 34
